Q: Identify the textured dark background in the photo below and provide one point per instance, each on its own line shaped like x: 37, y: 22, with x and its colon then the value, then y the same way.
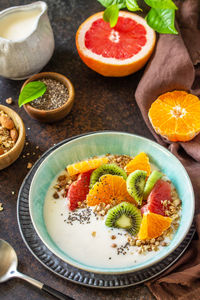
x: 100, y: 103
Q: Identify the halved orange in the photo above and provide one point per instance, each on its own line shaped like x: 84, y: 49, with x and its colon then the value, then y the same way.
x: 86, y: 165
x: 153, y: 225
x: 117, y: 51
x: 139, y: 162
x: 110, y: 188
x: 176, y: 116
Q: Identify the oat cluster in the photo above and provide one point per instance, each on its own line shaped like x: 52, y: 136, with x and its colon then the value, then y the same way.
x: 120, y: 160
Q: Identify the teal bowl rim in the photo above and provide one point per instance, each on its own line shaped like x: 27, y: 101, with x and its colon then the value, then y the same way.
x: 120, y: 270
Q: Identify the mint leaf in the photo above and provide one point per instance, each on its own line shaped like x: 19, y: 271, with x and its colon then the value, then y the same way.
x: 161, y: 4
x: 31, y: 91
x: 132, y: 5
x: 111, y: 15
x: 162, y: 20
x: 120, y: 3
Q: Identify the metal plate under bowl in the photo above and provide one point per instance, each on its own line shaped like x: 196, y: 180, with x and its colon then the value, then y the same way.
x: 66, y: 271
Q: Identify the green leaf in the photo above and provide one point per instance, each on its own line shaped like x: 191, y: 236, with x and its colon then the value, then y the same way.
x: 162, y: 20
x: 132, y: 5
x: 164, y: 4
x: 120, y: 3
x: 31, y: 91
x: 111, y: 15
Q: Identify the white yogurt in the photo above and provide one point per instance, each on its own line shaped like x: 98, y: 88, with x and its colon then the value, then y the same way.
x: 78, y: 241
x: 18, y: 25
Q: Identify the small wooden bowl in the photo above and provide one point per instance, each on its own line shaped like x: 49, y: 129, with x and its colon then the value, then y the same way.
x: 50, y: 116
x: 9, y: 157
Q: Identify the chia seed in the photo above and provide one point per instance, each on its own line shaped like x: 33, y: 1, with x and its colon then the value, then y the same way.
x: 82, y: 217
x: 55, y: 96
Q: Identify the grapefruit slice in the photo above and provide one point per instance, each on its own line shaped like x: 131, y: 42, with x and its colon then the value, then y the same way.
x: 117, y: 51
x: 160, y: 192
x: 79, y: 189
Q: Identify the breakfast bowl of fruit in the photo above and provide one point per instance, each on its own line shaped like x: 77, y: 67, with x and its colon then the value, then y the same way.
x: 111, y: 202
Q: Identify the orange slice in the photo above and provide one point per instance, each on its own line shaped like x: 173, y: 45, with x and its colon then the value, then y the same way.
x: 139, y: 162
x: 87, y: 165
x: 110, y: 188
x: 153, y: 225
x: 117, y: 51
x: 176, y: 116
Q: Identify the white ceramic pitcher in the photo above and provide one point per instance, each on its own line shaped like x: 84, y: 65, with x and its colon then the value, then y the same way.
x: 22, y: 58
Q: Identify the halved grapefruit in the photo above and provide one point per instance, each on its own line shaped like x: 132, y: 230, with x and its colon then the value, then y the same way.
x: 117, y: 51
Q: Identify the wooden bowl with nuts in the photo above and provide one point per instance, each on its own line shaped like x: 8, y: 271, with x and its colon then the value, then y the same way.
x: 57, y: 101
x: 12, y: 136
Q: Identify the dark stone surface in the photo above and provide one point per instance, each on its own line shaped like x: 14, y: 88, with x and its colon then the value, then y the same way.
x: 100, y: 103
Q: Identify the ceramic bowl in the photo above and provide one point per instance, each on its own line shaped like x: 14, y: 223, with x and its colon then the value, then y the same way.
x: 9, y: 157
x: 50, y: 116
x: 100, y: 143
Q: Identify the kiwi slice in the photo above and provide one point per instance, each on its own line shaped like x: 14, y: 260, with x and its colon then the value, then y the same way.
x: 151, y: 181
x: 135, y: 184
x: 124, y: 215
x: 106, y: 169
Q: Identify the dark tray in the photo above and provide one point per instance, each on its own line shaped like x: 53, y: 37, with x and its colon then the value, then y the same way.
x: 64, y: 270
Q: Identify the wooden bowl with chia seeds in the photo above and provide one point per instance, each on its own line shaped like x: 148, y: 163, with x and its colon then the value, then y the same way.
x: 56, y: 102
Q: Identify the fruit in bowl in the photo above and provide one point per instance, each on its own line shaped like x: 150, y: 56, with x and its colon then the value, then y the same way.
x: 83, y: 201
x: 137, y: 213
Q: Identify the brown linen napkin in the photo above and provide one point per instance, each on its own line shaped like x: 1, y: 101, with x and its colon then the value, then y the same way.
x: 172, y: 67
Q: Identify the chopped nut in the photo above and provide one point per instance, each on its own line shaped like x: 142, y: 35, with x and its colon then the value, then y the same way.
x: 152, y: 241
x: 56, y: 195
x: 146, y: 247
x: 29, y: 165
x: 61, y: 177
x: 102, y: 213
x: 176, y: 225
x: 9, y: 100
x: 160, y: 238
x: 177, y: 202
x: 98, y: 208
x: 132, y: 242
x: 113, y: 237
x: 154, y: 248
x: 94, y: 233
x: 1, y: 151
x: 141, y: 250
x: 175, y: 217
x: 114, y: 245
x: 138, y: 243
x: 107, y: 206
x: 165, y: 202
x: 164, y: 244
